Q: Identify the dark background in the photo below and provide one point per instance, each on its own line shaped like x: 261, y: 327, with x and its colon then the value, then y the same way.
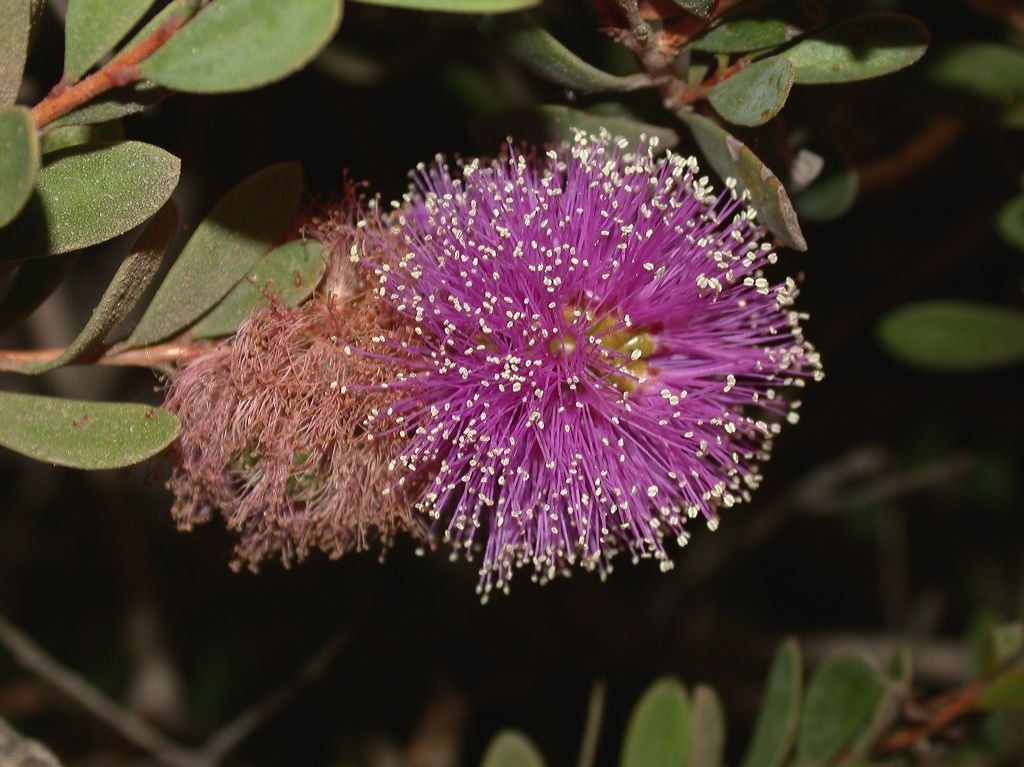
x: 920, y: 540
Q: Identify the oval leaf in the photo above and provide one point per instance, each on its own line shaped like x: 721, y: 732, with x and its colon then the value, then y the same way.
x: 538, y: 50
x: 988, y: 71
x: 1005, y: 691
x: 125, y: 290
x: 225, y: 246
x: 235, y: 45
x: 552, y: 123
x: 842, y: 697
x: 290, y: 273
x: 1010, y: 222
x: 83, y: 435
x: 113, y: 105
x: 954, y: 335
x: 731, y: 158
x: 775, y: 731
x: 85, y: 196
x: 458, y: 6
x: 868, y: 46
x: 19, y: 161
x: 756, y: 94
x: 512, y: 749
x: 16, y: 16
x: 70, y: 136
x: 93, y: 27
x: 707, y: 729
x: 658, y: 732
x: 748, y: 34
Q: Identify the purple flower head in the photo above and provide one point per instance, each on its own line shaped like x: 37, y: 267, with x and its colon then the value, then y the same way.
x: 596, y: 354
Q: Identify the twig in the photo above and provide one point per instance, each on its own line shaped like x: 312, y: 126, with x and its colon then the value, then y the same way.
x: 654, y: 61
x: 132, y: 727
x: 121, y: 70
x: 228, y: 737
x: 147, y: 357
x: 941, y: 712
x: 592, y: 726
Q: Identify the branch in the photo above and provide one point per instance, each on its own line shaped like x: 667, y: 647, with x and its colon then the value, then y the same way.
x: 121, y: 70
x: 14, y: 360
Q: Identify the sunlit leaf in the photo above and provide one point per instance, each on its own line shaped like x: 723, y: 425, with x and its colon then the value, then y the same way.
x: 225, y: 246
x: 290, y: 273
x: 235, y: 45
x: 19, y: 161
x: 700, y: 8
x: 93, y: 27
x: 539, y: 51
x: 552, y: 123
x: 89, y: 195
x: 659, y: 729
x: 842, y: 697
x: 954, y: 335
x: 511, y: 748
x: 755, y: 94
x: 859, y: 49
x: 731, y: 158
x: 15, y: 24
x: 775, y: 731
x: 83, y: 435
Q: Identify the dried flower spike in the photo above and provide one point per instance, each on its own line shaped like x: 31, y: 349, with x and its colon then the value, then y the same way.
x: 597, y: 355
x: 273, y: 426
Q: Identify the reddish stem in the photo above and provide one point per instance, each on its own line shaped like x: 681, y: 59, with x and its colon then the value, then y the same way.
x: 121, y: 70
x: 148, y: 357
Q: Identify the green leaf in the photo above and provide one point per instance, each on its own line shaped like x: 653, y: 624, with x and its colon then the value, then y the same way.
x: 988, y: 71
x: 707, y: 729
x: 125, y: 290
x: 1004, y: 643
x: 15, y: 24
x: 1005, y: 691
x: 88, y: 195
x: 70, y: 136
x: 236, y: 45
x: 731, y: 158
x: 842, y: 696
x: 510, y: 748
x: 831, y: 193
x: 775, y: 731
x: 658, y: 732
x: 755, y: 94
x: 93, y: 27
x: 19, y: 161
x: 859, y: 49
x: 1010, y: 222
x: 897, y: 688
x: 954, y: 335
x: 552, y: 123
x: 457, y: 6
x: 538, y: 50
x: 700, y: 8
x: 32, y: 284
x: 83, y: 435
x: 225, y: 246
x: 290, y: 273
x: 113, y: 105
x: 748, y: 33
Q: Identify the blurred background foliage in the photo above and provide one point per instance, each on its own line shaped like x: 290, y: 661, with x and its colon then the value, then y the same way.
x: 890, y: 518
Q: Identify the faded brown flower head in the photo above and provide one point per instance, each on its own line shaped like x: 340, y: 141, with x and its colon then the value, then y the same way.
x: 273, y: 423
